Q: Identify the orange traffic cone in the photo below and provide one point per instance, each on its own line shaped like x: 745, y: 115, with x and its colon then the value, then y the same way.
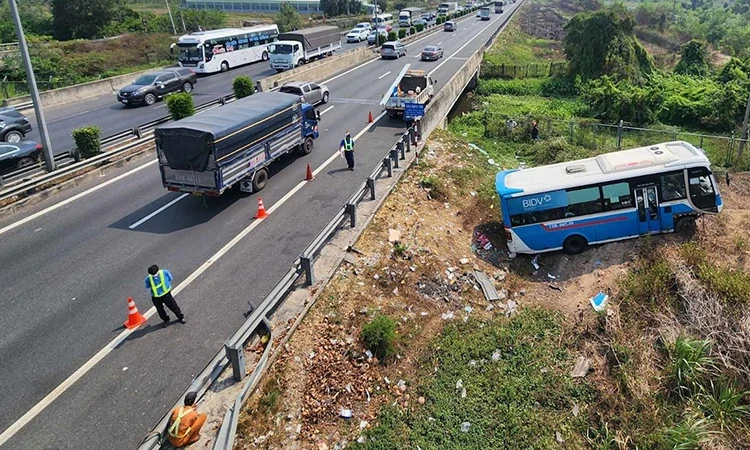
x: 309, y: 176
x: 262, y: 214
x: 369, y: 117
x: 135, y: 319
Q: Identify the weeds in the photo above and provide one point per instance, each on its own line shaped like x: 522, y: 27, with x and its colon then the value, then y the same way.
x: 435, y: 187
x: 691, y: 366
x: 687, y: 435
x: 379, y: 336
x: 723, y: 403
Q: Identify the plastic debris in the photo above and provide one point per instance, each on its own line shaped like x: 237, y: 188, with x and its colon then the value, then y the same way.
x: 361, y: 440
x: 447, y: 316
x: 459, y: 384
x: 475, y: 147
x: 551, y: 277
x: 394, y: 235
x: 599, y: 301
x: 473, y: 363
x: 576, y: 410
x: 362, y: 424
x: 463, y: 393
x: 535, y: 262
x: 597, y: 263
x: 465, y: 427
x: 368, y: 353
x: 511, y: 308
x: 559, y: 438
x: 468, y: 309
x: 496, y: 355
x: 581, y: 368
x: 464, y: 261
x: 346, y: 413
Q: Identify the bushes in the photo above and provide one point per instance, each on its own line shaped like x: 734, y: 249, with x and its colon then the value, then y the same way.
x: 381, y: 39
x: 243, y: 86
x: 391, y: 35
x: 180, y: 105
x: 401, y: 33
x: 87, y: 141
x: 379, y: 336
x: 420, y: 27
x: 412, y: 30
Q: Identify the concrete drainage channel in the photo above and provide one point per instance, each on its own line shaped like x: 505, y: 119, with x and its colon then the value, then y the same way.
x: 314, y: 261
x: 27, y: 182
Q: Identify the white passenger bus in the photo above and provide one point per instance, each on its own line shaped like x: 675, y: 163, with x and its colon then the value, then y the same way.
x: 382, y: 20
x: 220, y: 50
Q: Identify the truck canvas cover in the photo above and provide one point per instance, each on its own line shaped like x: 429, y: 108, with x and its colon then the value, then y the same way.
x: 313, y: 38
x: 188, y: 143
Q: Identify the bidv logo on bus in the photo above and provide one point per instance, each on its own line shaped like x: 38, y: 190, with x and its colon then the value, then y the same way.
x: 536, y: 202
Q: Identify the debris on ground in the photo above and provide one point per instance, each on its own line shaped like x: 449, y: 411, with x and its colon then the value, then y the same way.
x: 394, y: 236
x: 465, y: 427
x: 490, y: 293
x: 599, y: 301
x: 581, y: 369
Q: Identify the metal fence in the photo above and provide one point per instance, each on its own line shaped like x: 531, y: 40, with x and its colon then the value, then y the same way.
x: 601, y: 137
x: 508, y: 71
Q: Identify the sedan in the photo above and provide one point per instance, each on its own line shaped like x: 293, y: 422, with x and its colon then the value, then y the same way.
x: 420, y: 21
x: 14, y: 126
x: 432, y: 53
x: 394, y: 49
x: 357, y: 35
x: 19, y: 155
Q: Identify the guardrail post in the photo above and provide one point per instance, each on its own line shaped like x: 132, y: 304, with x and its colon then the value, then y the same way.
x: 394, y: 157
x: 222, y: 101
x: 351, y: 210
x: 388, y: 165
x: 258, y: 86
x: 370, y: 187
x: 413, y: 136
x: 137, y: 132
x: 307, y: 265
x: 400, y: 148
x: 236, y: 355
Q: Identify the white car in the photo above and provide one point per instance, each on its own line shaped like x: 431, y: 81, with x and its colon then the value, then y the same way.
x: 357, y: 35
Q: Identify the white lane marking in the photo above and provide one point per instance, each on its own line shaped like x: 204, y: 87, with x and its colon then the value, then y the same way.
x: 384, y: 75
x: 162, y: 106
x: 78, y: 374
x: 464, y: 46
x: 150, y: 216
x: 439, y: 42
x: 326, y: 110
x: 74, y: 198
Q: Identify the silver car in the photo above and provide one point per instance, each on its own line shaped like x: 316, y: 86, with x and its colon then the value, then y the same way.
x: 449, y: 26
x: 392, y: 49
x: 311, y: 93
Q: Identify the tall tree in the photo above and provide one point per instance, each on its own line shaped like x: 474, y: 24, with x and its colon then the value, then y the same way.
x: 693, y: 60
x: 288, y: 18
x: 81, y: 19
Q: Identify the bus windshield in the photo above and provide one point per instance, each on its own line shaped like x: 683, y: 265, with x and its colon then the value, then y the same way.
x: 281, y: 49
x: 190, y: 53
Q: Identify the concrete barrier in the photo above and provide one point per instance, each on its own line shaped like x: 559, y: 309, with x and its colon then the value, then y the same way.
x: 78, y: 92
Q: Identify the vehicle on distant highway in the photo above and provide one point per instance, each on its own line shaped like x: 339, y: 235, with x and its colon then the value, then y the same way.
x: 382, y: 20
x: 432, y: 53
x: 302, y: 46
x: 498, y: 7
x: 420, y: 22
x: 219, y: 50
x: 485, y: 13
x: 150, y: 87
x: 449, y: 26
x: 392, y: 49
x: 311, y: 93
x: 372, y: 37
x: 14, y: 126
x: 407, y: 16
x: 357, y: 35
x: 410, y: 86
x: 18, y: 155
x: 234, y: 144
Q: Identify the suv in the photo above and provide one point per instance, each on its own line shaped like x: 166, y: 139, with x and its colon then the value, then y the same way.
x: 14, y: 126
x: 310, y: 92
x: 449, y: 26
x: 393, y: 49
x: 152, y: 86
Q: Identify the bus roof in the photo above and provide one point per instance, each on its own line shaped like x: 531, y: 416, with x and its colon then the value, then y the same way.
x: 202, y: 36
x: 600, y: 169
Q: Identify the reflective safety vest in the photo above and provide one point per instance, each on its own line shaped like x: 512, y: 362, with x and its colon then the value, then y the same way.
x: 158, y: 289
x: 348, y: 144
x: 174, y: 430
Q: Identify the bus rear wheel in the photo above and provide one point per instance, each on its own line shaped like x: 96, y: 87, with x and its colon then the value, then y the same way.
x: 575, y: 244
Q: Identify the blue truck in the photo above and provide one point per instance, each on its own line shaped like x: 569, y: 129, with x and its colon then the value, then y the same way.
x: 209, y: 153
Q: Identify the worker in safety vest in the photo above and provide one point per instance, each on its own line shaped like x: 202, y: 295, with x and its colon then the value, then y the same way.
x: 159, y: 283
x: 347, y: 146
x: 185, y: 424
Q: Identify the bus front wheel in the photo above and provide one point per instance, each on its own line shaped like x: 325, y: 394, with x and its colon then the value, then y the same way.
x: 685, y: 226
x: 224, y: 66
x: 575, y: 245
x: 265, y: 56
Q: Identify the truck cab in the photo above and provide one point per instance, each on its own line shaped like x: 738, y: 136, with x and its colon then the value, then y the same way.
x: 285, y: 55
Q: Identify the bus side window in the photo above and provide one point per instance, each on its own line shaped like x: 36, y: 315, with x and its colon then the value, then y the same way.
x: 701, y: 188
x: 672, y: 186
x: 584, y: 201
x: 617, y: 196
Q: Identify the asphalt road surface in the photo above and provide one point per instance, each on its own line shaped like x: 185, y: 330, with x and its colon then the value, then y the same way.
x: 67, y: 272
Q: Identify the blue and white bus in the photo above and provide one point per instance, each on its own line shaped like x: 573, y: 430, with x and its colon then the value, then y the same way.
x: 614, y: 196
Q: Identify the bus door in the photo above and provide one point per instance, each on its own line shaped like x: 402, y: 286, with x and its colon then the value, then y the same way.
x: 647, y: 203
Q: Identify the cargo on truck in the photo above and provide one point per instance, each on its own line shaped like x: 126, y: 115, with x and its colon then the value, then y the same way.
x: 445, y: 9
x: 234, y: 144
x: 410, y: 86
x: 302, y: 46
x: 407, y: 16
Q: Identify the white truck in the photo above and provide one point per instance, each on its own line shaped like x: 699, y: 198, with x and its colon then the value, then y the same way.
x: 302, y: 46
x: 410, y: 86
x: 407, y: 16
x: 445, y: 9
x: 484, y: 13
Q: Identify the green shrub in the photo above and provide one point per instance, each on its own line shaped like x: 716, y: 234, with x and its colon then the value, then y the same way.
x: 691, y: 365
x: 379, y: 336
x: 381, y: 39
x: 392, y: 35
x: 243, y: 86
x: 420, y: 27
x: 401, y: 33
x: 180, y: 105
x: 87, y: 141
x: 412, y: 30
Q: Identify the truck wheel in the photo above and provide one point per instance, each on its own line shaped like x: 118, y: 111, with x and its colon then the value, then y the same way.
x: 307, y: 147
x: 265, y: 56
x: 187, y: 87
x: 260, y: 180
x: 575, y: 244
x: 149, y: 99
x: 224, y: 66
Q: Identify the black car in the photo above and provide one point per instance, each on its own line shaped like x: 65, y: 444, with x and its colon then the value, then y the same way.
x: 152, y: 86
x: 19, y: 155
x: 14, y: 126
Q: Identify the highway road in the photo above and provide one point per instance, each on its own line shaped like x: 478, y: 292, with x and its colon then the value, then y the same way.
x: 70, y: 262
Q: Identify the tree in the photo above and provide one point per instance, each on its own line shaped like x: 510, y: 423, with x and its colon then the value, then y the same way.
x: 693, y: 60
x: 615, y: 51
x: 288, y: 18
x: 243, y: 86
x: 81, y: 19
x: 34, y: 18
x: 180, y: 105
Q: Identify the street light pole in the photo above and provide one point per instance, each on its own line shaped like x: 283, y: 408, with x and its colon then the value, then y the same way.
x: 169, y: 10
x: 743, y: 139
x: 31, y: 80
